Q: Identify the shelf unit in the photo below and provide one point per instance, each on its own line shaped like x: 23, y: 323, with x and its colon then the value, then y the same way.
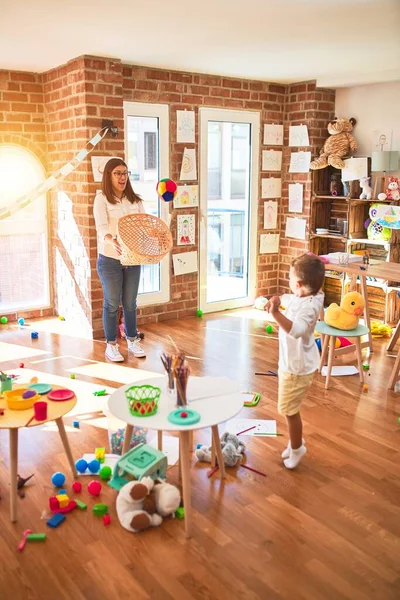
x: 325, y: 209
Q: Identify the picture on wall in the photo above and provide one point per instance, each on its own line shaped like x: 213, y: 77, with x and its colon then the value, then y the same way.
x: 270, y: 214
x: 98, y: 164
x: 300, y: 162
x: 298, y: 135
x: 186, y: 230
x: 271, y: 160
x: 269, y: 243
x: 187, y: 196
x: 185, y: 262
x: 273, y: 135
x: 185, y: 126
x: 188, y: 168
x: 271, y: 187
x: 296, y: 228
x: 295, y: 197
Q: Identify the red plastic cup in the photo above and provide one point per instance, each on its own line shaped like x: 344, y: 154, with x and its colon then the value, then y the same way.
x: 40, y: 410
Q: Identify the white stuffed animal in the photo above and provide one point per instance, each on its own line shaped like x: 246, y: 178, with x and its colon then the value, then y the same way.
x: 142, y: 504
x: 366, y: 193
x: 232, y: 450
x: 392, y: 190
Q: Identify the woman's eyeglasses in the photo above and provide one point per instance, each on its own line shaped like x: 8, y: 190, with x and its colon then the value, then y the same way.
x: 121, y: 174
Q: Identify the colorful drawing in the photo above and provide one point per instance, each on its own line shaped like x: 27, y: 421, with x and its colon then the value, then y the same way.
x: 186, y: 230
x: 188, y: 168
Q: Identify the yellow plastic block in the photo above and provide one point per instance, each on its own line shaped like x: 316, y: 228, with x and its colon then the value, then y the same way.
x: 63, y: 500
x: 100, y: 454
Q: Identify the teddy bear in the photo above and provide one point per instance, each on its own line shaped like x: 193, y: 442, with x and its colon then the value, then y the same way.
x: 340, y: 144
x: 366, y: 193
x: 232, y: 450
x: 392, y: 190
x: 142, y: 504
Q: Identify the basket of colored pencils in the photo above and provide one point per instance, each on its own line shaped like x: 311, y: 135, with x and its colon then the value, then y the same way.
x: 181, y: 372
x: 168, y: 361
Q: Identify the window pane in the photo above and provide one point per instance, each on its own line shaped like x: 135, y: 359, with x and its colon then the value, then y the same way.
x: 143, y: 162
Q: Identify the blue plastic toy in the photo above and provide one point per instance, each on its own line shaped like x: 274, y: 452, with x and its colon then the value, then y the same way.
x: 81, y: 465
x: 21, y: 321
x: 34, y: 335
x: 94, y: 466
x: 56, y: 520
x: 76, y: 424
x: 58, y: 479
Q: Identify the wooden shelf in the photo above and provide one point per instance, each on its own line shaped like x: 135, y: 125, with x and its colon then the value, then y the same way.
x: 367, y: 241
x: 329, y: 236
x: 328, y: 197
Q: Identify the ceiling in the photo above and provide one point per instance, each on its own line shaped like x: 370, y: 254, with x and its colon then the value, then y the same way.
x: 336, y: 42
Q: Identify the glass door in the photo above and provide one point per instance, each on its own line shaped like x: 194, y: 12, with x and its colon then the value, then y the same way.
x: 229, y: 142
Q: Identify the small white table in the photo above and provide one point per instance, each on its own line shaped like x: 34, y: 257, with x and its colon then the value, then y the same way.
x: 216, y: 399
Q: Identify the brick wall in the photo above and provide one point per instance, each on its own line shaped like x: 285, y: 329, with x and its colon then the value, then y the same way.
x: 191, y: 91
x: 305, y: 104
x: 77, y: 97
x: 54, y: 114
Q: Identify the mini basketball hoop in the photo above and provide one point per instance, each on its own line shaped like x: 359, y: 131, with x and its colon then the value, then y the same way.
x: 144, y: 239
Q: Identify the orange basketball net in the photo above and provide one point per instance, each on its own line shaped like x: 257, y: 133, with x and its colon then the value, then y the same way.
x: 144, y: 239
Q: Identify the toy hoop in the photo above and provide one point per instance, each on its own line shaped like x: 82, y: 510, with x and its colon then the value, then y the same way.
x: 144, y: 239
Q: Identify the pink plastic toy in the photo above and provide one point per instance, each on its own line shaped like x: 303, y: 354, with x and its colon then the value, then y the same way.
x: 106, y: 519
x: 23, y: 541
x: 94, y: 488
x: 77, y: 487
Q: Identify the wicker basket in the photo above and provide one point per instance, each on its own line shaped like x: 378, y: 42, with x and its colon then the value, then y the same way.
x: 144, y: 239
x: 143, y: 400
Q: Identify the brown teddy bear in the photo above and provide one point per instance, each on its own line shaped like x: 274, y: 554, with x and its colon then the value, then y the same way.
x: 340, y: 144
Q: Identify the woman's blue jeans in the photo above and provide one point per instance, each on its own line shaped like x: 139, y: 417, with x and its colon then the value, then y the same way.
x: 120, y: 284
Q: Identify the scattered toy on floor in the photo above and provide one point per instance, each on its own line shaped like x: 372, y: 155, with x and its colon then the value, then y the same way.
x: 199, y: 313
x: 21, y: 481
x: 58, y: 479
x: 34, y: 335
x: 142, y: 504
x: 77, y: 487
x: 21, y: 321
x: 3, y: 320
x: 76, y: 424
x: 72, y: 376
x: 232, y: 450
x: 94, y: 488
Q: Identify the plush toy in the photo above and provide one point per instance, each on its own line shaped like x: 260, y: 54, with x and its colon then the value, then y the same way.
x: 346, y: 315
x: 340, y: 144
x: 376, y: 231
x: 232, y: 450
x: 142, y: 504
x: 392, y: 190
x: 366, y: 193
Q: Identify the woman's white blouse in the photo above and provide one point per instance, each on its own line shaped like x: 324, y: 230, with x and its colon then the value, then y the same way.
x: 106, y: 217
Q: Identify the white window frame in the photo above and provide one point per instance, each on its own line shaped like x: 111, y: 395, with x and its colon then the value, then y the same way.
x: 40, y: 226
x: 230, y: 116
x: 160, y: 111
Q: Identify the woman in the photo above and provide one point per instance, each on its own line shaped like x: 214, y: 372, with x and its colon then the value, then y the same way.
x: 116, y: 200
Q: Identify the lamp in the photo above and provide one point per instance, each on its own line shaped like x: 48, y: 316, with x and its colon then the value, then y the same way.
x: 387, y: 160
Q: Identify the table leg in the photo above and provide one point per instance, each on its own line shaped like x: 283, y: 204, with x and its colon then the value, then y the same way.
x: 359, y: 358
x: 186, y: 483
x: 218, y: 450
x: 213, y: 458
x: 353, y: 283
x: 332, y: 342
x: 394, y: 338
x: 127, y: 438
x: 324, y: 351
x: 367, y: 319
x: 64, y: 439
x: 14, y: 471
x: 159, y: 440
x: 394, y: 376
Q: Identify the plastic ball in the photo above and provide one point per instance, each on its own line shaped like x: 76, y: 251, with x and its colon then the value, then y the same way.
x: 94, y: 466
x: 199, y: 313
x: 58, y: 479
x: 72, y: 376
x: 184, y: 415
x: 167, y: 189
x: 3, y: 320
x: 21, y: 321
x: 269, y: 329
x: 94, y: 488
x: 81, y: 465
x: 105, y: 472
x: 77, y: 487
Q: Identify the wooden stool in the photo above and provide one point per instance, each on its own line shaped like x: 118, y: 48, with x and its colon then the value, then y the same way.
x: 328, y: 340
x: 395, y: 375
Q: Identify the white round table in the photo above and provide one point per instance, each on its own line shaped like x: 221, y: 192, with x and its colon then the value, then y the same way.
x: 216, y: 399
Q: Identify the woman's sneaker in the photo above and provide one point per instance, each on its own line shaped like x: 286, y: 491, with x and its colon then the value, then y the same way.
x: 136, y: 348
x: 113, y: 353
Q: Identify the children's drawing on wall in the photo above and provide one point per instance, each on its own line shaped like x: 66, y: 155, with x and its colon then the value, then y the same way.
x: 270, y: 214
x: 355, y: 168
x: 188, y: 168
x: 185, y: 126
x: 271, y: 187
x: 273, y: 135
x: 295, y: 197
x: 271, y: 160
x: 187, y: 196
x: 98, y: 164
x: 298, y: 135
x: 300, y: 162
x: 382, y: 140
x: 269, y: 243
x: 185, y: 262
x: 295, y: 228
x: 186, y: 230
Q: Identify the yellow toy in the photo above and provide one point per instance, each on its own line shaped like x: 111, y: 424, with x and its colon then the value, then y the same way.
x: 346, y: 315
x: 21, y: 399
x: 380, y: 329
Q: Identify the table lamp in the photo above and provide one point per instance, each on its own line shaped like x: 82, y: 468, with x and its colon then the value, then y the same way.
x: 385, y: 161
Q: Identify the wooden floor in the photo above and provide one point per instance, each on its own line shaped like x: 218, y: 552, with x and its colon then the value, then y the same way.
x: 329, y: 530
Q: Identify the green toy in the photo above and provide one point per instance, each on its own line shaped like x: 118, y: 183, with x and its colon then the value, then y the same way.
x: 180, y: 513
x: 81, y: 505
x: 100, y: 393
x: 269, y: 329
x: 199, y: 313
x: 100, y: 509
x: 140, y: 461
x: 143, y: 400
x: 184, y: 416
x: 3, y: 320
x: 105, y: 472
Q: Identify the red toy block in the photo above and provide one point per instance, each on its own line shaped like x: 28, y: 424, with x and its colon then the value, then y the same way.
x: 54, y: 504
x: 70, y: 506
x: 106, y: 519
x: 77, y: 487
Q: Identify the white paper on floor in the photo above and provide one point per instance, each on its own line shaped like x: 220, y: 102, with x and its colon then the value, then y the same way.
x: 15, y: 352
x: 340, y: 371
x: 257, y: 426
x: 110, y: 461
x: 170, y: 447
x: 111, y: 372
x: 86, y: 401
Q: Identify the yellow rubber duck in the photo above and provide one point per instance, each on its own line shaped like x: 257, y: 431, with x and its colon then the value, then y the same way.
x: 347, y: 314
